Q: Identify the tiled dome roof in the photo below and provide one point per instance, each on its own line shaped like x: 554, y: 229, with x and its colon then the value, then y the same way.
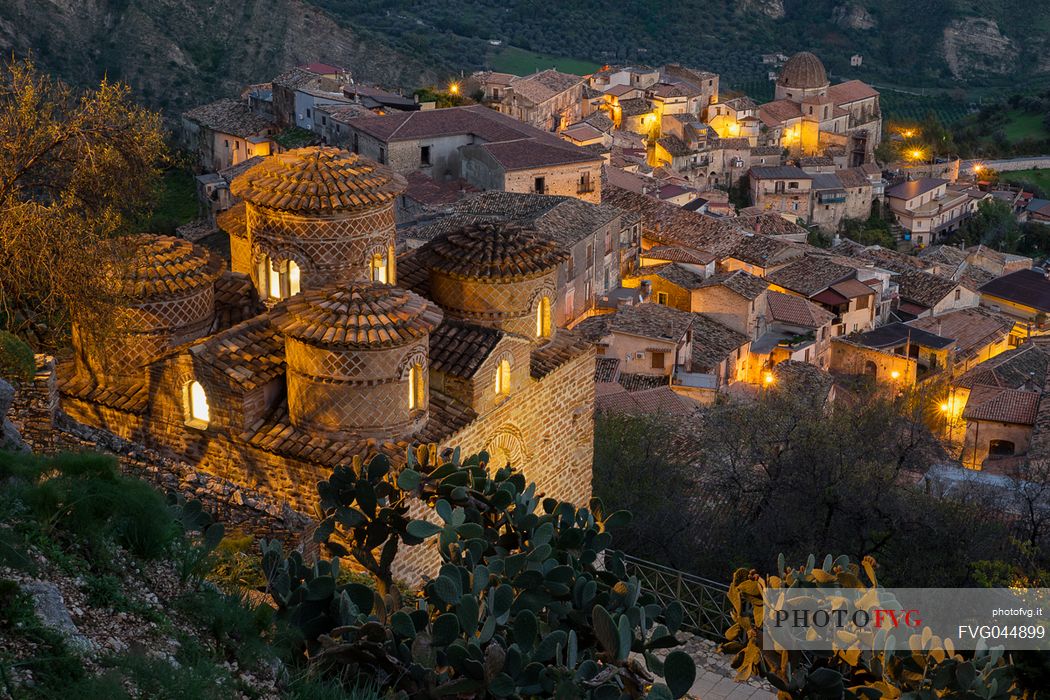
x: 317, y: 179
x: 362, y: 314
x: 161, y: 266
x: 804, y: 71
x: 485, y: 250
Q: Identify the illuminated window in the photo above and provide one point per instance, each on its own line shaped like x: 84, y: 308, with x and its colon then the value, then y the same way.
x: 543, y: 318
x: 196, y: 401
x: 378, y: 267
x: 503, y: 378
x: 293, y: 278
x: 416, y: 388
x: 281, y: 283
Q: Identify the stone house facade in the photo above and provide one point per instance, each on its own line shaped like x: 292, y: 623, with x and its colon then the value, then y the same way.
x: 489, y: 150
x: 337, y: 362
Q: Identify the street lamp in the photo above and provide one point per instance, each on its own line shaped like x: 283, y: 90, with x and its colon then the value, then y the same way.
x: 453, y: 88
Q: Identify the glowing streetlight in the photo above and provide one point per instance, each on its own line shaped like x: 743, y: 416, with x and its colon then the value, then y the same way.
x: 916, y: 154
x: 977, y: 168
x: 453, y: 88
x: 895, y: 374
x: 768, y: 378
x: 944, y: 408
x: 908, y: 133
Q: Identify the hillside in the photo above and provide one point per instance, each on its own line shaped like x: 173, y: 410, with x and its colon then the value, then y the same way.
x: 906, y: 42
x: 178, y: 53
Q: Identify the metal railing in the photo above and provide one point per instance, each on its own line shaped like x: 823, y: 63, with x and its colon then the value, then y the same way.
x: 705, y: 602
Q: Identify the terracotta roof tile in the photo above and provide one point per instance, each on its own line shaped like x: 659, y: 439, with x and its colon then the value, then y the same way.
x: 163, y: 266
x: 793, y: 310
x: 565, y: 346
x: 1002, y: 405
x: 1010, y: 370
x: 606, y: 369
x: 459, y: 348
x: 740, y: 281
x: 132, y: 398
x: 358, y: 315
x: 972, y: 329
x: 673, y: 273
x: 713, y: 342
x: 230, y: 116
x: 810, y: 275
x: 923, y: 288
x: 317, y: 179
x: 679, y: 254
x: 489, y: 250
x: 233, y: 221
x: 250, y: 353
x: 642, y: 382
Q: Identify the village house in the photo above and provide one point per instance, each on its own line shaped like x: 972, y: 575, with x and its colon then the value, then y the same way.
x: 225, y: 133
x: 995, y: 406
x: 995, y: 262
x: 760, y: 254
x: 548, y: 100
x: 979, y: 335
x: 343, y: 360
x: 489, y: 150
x: 600, y: 241
x: 1023, y: 296
x: 736, y: 299
x: 832, y: 286
x: 809, y: 115
x: 793, y: 330
x: 928, y: 209
x: 784, y: 189
x: 924, y: 294
x: 895, y: 354
x: 694, y: 354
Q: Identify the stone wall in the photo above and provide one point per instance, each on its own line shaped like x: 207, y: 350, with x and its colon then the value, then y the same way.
x: 34, y: 407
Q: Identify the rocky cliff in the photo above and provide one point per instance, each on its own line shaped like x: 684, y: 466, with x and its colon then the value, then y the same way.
x: 178, y: 53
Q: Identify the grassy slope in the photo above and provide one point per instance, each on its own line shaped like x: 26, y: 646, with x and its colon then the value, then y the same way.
x: 1021, y: 125
x: 1039, y: 178
x: 510, y: 59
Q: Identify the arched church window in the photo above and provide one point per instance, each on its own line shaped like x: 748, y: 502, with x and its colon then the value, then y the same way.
x: 543, y: 318
x: 379, y: 272
x: 416, y: 388
x: 195, y: 401
x: 294, y: 284
x: 503, y: 378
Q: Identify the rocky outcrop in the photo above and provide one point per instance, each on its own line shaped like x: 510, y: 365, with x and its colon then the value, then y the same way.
x: 10, y: 438
x: 180, y: 53
x: 975, y: 45
x: 771, y: 8
x: 853, y: 16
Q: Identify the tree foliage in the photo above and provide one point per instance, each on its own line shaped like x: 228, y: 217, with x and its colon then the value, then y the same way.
x: 781, y: 474
x: 994, y: 225
x: 76, y: 169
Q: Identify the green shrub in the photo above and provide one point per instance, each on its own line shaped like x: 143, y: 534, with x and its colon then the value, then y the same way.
x: 84, y: 495
x: 16, y: 358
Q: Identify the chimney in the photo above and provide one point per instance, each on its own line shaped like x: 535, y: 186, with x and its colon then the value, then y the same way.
x: 1029, y: 384
x: 645, y: 290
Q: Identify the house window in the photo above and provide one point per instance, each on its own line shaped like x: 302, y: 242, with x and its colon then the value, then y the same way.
x: 590, y: 255
x: 382, y: 155
x: 585, y: 183
x: 958, y: 294
x: 196, y: 403
x: 539, y: 185
x: 324, y: 121
x: 658, y: 360
x: 424, y: 155
x: 355, y: 142
x: 308, y: 116
x: 543, y: 318
x: 661, y: 298
x: 862, y: 302
x: 778, y: 187
x: 416, y: 387
x: 378, y: 269
x: 792, y: 185
x: 503, y: 378
x: 1000, y: 448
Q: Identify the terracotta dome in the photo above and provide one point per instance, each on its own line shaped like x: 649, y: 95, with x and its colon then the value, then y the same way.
x: 318, y: 179
x: 489, y: 250
x: 803, y: 71
x: 163, y: 266
x: 359, y: 315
